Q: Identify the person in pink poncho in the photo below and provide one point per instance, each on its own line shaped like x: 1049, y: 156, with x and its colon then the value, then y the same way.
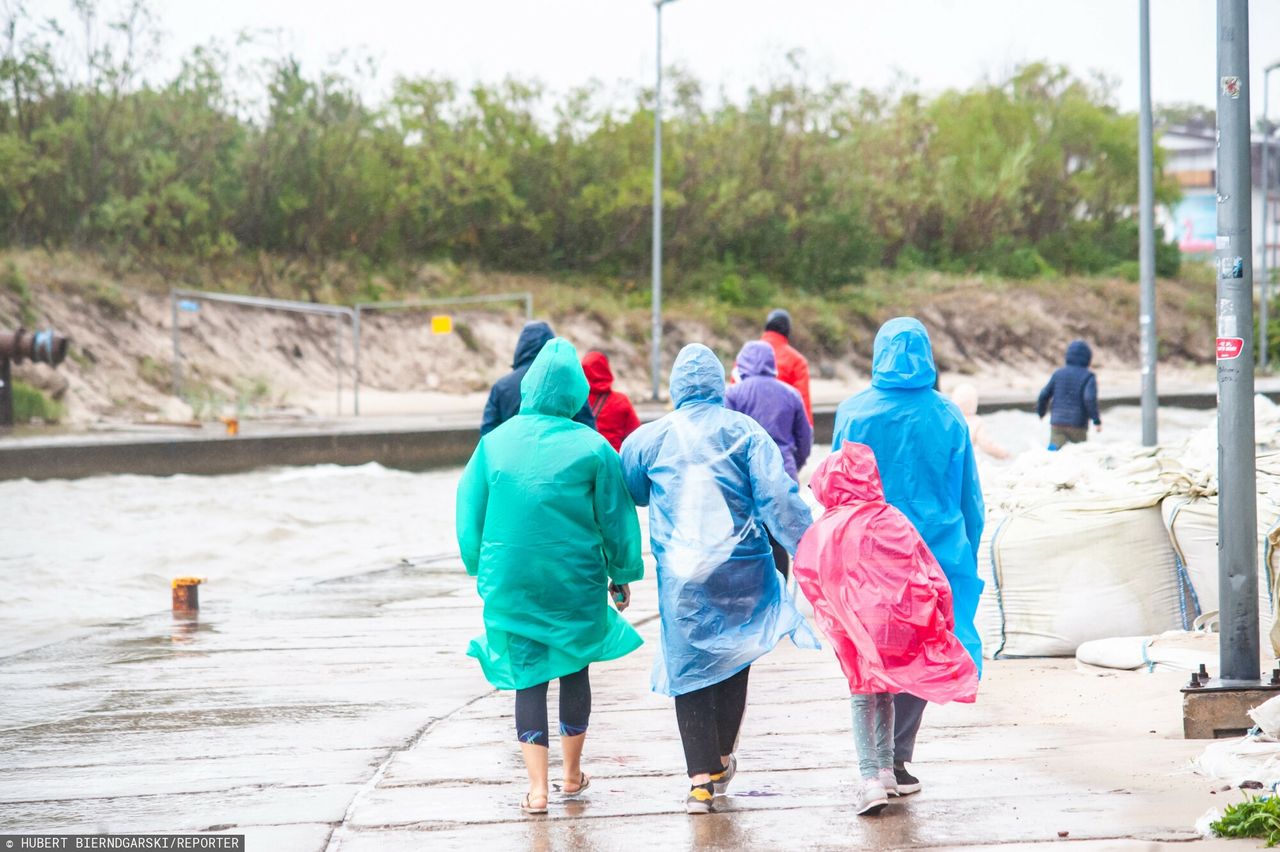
x: 882, y: 599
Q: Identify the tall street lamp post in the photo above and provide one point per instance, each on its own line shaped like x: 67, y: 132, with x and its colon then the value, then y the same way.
x: 1263, y: 270
x: 656, y: 356
x: 1146, y: 238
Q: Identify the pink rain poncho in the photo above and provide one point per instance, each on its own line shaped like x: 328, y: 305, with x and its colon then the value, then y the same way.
x: 877, y: 591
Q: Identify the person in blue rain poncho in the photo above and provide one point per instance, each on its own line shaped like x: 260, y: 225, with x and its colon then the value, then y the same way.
x: 926, y: 459
x: 714, y: 481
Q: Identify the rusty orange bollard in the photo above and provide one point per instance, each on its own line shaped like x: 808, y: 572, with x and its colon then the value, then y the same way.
x: 232, y: 424
x: 186, y: 595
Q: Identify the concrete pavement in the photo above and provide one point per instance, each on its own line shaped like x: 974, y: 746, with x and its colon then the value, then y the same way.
x: 344, y: 715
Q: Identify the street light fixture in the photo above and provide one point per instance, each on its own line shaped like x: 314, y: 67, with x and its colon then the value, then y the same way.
x: 1265, y: 273
x: 656, y: 356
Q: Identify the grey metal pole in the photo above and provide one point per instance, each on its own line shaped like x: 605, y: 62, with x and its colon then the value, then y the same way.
x: 528, y: 307
x: 1146, y: 231
x: 177, y: 346
x: 337, y: 354
x: 1265, y: 274
x: 656, y: 331
x: 1237, y: 495
x: 355, y: 357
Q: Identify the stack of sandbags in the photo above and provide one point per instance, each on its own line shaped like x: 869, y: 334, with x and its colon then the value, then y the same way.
x: 1192, y: 522
x: 1062, y: 573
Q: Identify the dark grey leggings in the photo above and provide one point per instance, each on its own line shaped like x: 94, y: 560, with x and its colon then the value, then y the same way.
x: 575, y: 709
x: 709, y: 719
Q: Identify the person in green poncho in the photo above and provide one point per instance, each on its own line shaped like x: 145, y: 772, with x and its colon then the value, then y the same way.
x: 547, y: 526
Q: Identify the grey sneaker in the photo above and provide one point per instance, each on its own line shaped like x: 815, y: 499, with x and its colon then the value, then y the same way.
x: 699, y: 801
x: 721, y: 780
x: 871, y: 798
x: 907, y: 783
x: 889, y: 780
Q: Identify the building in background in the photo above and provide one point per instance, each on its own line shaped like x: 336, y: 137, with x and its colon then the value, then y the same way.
x: 1191, y: 158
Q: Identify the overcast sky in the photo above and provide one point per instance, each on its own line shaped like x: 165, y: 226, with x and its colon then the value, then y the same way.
x: 734, y: 43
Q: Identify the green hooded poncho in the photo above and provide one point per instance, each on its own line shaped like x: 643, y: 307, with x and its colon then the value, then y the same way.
x: 545, y: 522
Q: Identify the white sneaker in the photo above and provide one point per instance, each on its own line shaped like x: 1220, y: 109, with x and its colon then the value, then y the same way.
x: 889, y: 781
x: 871, y: 798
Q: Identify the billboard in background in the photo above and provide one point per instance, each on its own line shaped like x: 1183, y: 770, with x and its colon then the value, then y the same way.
x: 1195, y: 221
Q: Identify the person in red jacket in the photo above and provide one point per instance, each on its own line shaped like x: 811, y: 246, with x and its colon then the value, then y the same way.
x: 793, y: 368
x: 615, y: 416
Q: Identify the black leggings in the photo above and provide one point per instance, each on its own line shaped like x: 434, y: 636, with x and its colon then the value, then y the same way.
x: 780, y: 558
x: 575, y: 709
x: 709, y: 720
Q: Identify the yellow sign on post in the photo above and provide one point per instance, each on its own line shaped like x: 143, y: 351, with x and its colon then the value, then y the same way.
x: 442, y: 324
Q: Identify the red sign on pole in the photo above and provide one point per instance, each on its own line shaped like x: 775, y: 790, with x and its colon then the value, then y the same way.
x: 1230, y: 348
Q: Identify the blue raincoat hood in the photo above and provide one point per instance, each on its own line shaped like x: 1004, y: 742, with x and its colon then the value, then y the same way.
x: 903, y: 356
x: 555, y: 384
x: 757, y: 359
x: 697, y: 376
x: 1079, y: 354
x: 533, y: 337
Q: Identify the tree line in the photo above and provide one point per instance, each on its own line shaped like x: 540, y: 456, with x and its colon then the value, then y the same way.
x: 809, y: 184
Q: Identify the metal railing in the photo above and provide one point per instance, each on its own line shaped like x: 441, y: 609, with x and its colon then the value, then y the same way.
x: 176, y: 297
x: 352, y: 314
x: 419, y: 304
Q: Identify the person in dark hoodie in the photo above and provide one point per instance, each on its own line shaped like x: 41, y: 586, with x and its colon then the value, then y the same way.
x: 779, y: 409
x: 1071, y: 399
x: 504, y: 397
x: 615, y: 415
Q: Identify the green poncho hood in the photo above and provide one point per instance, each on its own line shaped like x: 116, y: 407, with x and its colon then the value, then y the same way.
x: 555, y: 383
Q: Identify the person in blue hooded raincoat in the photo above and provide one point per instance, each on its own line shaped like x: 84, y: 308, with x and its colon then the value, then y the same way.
x: 926, y: 459
x: 714, y: 481
x: 504, y: 397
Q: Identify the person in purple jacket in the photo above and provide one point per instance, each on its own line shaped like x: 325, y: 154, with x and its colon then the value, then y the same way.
x: 777, y: 407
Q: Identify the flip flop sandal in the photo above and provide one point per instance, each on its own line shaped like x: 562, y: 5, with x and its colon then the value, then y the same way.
x: 527, y: 808
x: 584, y: 781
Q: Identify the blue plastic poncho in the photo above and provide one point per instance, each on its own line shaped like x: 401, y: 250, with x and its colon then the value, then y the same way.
x: 713, y: 479
x: 926, y: 460
x: 544, y: 524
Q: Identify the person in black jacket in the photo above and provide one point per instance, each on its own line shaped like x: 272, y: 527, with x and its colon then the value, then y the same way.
x: 1073, y: 392
x: 504, y: 397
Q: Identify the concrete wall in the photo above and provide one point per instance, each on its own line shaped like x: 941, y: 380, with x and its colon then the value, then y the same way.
x: 410, y: 449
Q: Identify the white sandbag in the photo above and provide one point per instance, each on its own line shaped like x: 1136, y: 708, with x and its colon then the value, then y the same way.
x: 1061, y: 574
x: 1173, y: 650
x: 1193, y: 532
x: 1235, y: 761
x: 1267, y: 717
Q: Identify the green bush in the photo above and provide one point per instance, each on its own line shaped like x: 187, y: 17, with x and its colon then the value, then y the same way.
x: 1129, y: 270
x: 1023, y: 263
x: 31, y: 404
x: 11, y: 279
x: 730, y: 290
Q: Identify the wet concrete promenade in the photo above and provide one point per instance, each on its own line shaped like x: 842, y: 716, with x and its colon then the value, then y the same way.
x: 343, y: 715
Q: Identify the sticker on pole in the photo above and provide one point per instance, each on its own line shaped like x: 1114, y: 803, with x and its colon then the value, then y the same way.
x: 442, y: 324
x: 1229, y: 348
x: 1231, y: 267
x: 1231, y: 87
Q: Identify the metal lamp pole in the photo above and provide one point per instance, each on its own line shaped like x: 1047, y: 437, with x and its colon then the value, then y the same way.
x: 1146, y: 233
x: 656, y: 356
x: 1237, y: 483
x: 1263, y: 271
